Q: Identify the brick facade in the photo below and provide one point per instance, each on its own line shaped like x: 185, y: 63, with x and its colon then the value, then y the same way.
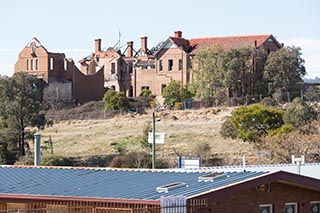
x: 279, y: 194
x: 54, y: 67
x: 130, y: 71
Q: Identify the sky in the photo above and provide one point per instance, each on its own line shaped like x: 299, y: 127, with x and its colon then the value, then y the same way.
x: 70, y: 26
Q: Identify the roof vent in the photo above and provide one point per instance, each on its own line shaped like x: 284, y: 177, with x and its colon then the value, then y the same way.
x: 169, y: 187
x: 211, y: 177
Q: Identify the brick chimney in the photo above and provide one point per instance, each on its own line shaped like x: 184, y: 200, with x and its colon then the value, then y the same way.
x: 97, y: 43
x: 130, y: 49
x: 178, y: 34
x: 144, y: 47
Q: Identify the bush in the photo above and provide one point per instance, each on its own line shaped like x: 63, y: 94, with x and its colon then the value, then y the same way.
x: 298, y: 113
x: 255, y: 121
x: 269, y: 102
x: 137, y: 159
x: 115, y: 100
x: 56, y: 160
x: 228, y: 130
x: 132, y: 160
x: 145, y: 93
x: 177, y: 106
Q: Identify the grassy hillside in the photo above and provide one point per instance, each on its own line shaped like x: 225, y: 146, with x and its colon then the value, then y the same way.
x: 184, y: 132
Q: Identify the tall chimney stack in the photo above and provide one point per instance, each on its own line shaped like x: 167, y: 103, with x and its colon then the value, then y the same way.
x: 144, y: 47
x: 97, y: 45
x: 130, y: 49
x: 178, y: 34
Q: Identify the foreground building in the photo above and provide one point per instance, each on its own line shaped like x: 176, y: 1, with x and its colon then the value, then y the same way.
x: 109, y: 190
x: 131, y: 71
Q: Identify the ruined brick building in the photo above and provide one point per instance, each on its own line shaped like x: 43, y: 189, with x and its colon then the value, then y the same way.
x: 131, y: 70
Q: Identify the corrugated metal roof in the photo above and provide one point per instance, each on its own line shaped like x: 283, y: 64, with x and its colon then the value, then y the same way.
x: 107, y: 183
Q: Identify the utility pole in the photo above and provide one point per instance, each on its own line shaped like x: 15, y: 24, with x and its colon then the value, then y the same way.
x: 153, y: 140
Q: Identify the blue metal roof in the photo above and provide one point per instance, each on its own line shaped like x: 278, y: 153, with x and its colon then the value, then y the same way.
x: 108, y: 183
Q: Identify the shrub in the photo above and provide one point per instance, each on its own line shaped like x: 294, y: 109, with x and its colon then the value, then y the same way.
x: 145, y: 93
x: 115, y: 100
x: 228, y: 130
x: 137, y: 159
x: 177, y: 106
x: 298, y: 113
x: 269, y: 102
x: 56, y: 160
x: 255, y: 121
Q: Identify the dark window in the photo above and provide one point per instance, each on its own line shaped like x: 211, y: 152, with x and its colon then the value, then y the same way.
x: 97, y: 59
x: 31, y: 63
x: 290, y: 208
x: 163, y: 86
x: 180, y: 64
x: 265, y: 208
x: 27, y: 64
x: 160, y: 65
x: 315, y: 207
x: 144, y: 88
x: 37, y: 64
x: 170, y: 64
x: 113, y: 87
x: 130, y: 67
x: 131, y: 91
x: 113, y: 68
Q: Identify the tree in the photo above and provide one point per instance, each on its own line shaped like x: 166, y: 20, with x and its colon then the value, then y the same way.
x: 298, y: 113
x: 174, y: 92
x: 115, y: 100
x: 253, y: 122
x: 284, y: 69
x: 238, y: 77
x: 20, y: 105
x: 312, y: 94
x: 281, y: 147
x: 208, y: 72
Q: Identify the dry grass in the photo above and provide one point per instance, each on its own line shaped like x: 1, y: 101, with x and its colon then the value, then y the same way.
x: 183, y: 129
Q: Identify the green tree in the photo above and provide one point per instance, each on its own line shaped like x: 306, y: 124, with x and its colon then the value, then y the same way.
x: 174, y: 92
x: 284, y: 69
x: 253, y: 122
x: 115, y: 100
x: 145, y: 93
x: 238, y: 76
x: 208, y: 72
x: 20, y: 105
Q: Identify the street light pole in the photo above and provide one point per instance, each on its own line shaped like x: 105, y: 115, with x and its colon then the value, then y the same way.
x: 153, y: 140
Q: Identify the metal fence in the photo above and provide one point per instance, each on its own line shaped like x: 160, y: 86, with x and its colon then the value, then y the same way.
x: 193, y: 206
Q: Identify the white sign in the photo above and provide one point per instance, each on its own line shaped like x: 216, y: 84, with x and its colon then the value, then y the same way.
x: 159, y: 137
x: 173, y: 204
x: 185, y: 162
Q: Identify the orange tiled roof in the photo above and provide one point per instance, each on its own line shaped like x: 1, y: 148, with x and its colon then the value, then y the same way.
x: 182, y: 43
x: 229, y: 42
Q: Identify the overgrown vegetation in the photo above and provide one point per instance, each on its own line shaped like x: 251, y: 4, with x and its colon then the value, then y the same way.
x: 20, y: 107
x: 280, y: 132
x: 115, y: 100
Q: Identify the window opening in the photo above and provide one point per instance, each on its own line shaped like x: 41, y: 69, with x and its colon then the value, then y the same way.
x: 170, y: 64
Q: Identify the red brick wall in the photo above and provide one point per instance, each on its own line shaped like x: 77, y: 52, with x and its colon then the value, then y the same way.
x: 249, y: 201
x: 88, y: 88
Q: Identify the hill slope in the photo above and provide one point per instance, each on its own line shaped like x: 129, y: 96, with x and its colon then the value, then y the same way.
x: 184, y: 130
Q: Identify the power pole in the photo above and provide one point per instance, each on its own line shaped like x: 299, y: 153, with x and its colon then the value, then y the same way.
x: 153, y: 140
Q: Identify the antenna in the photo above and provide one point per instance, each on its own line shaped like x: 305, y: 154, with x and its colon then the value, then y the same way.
x: 119, y: 45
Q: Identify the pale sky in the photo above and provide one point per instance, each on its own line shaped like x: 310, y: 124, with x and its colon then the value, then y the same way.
x: 70, y: 26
